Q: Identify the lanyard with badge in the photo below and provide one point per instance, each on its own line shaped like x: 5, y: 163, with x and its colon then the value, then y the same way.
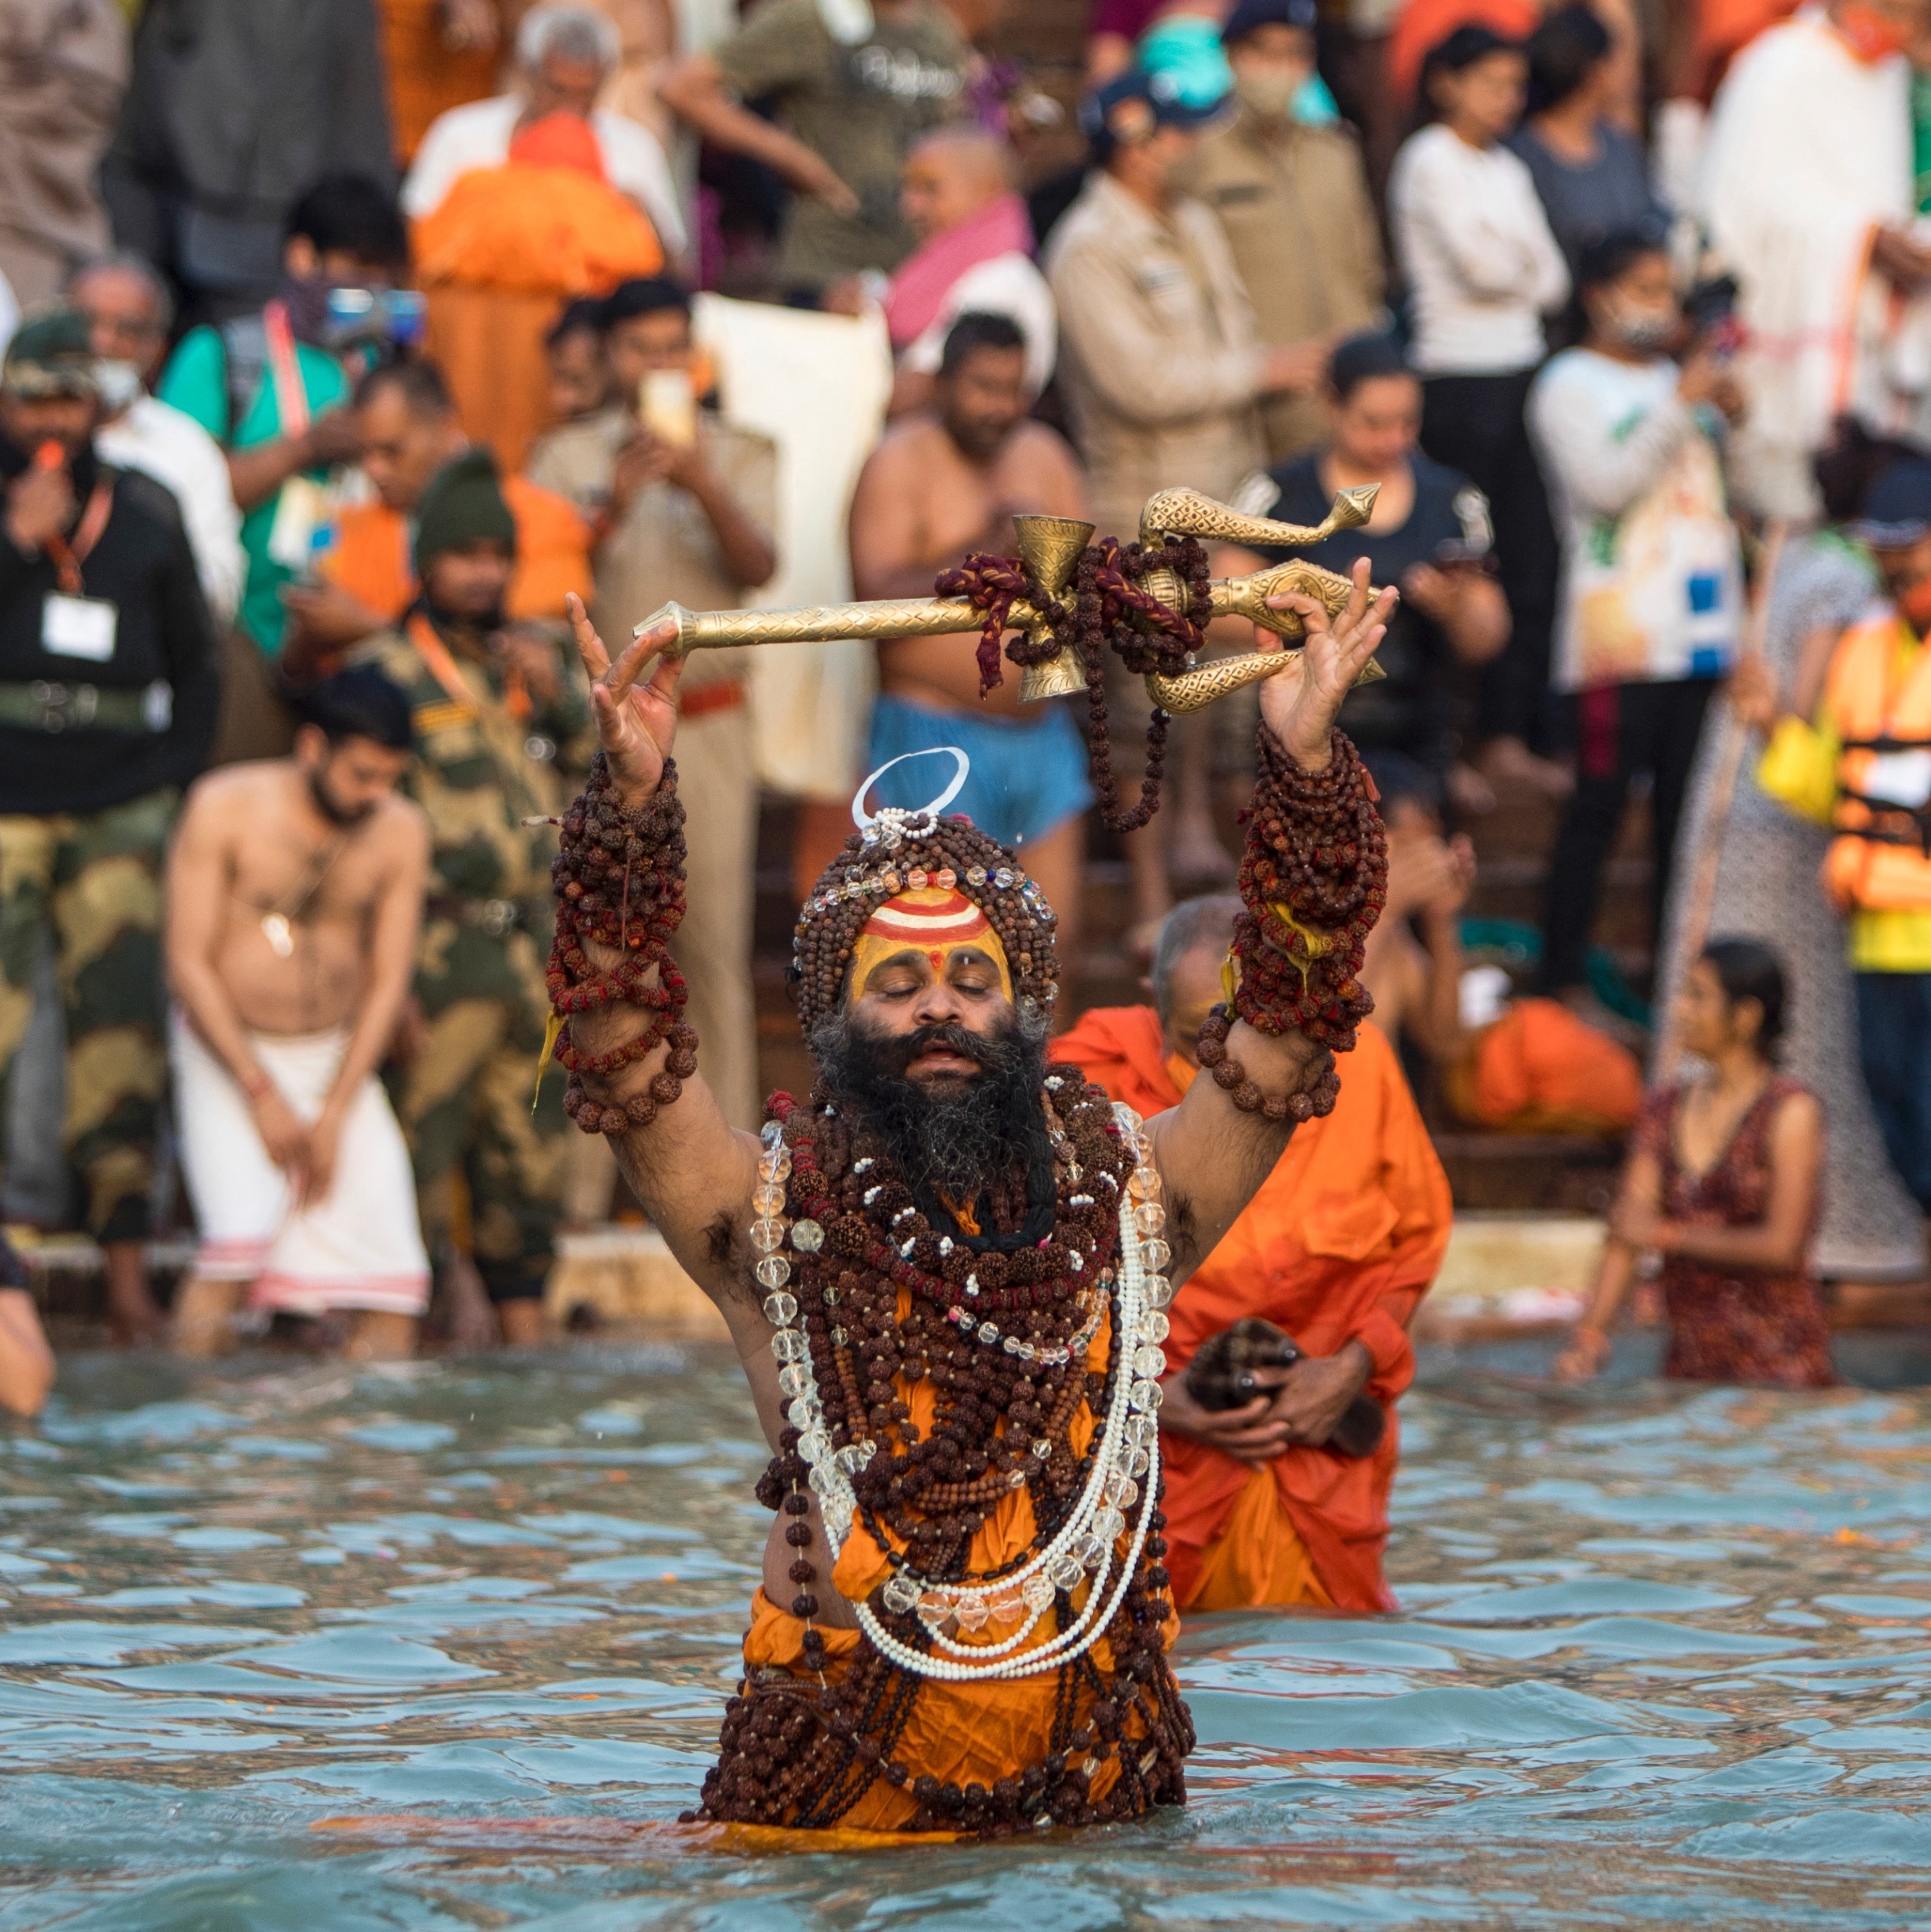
x: 437, y: 661
x: 302, y: 507
x: 74, y: 624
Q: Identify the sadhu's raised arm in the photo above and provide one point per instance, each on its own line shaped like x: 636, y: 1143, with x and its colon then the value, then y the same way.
x: 947, y: 1268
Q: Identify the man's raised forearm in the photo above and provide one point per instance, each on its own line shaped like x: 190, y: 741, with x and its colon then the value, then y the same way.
x: 619, y: 878
x: 1313, y: 880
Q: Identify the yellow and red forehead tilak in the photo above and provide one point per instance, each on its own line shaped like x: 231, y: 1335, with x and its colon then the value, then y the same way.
x: 934, y: 919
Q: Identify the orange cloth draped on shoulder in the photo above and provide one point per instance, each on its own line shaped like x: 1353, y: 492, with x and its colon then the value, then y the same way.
x: 1339, y: 1245
x: 497, y: 260
x: 371, y: 556
x: 959, y: 1732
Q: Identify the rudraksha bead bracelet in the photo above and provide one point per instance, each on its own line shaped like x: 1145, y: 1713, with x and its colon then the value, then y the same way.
x: 619, y: 884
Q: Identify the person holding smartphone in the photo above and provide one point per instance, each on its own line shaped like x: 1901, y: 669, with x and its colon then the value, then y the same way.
x: 1430, y: 534
x: 1651, y: 602
x: 681, y: 502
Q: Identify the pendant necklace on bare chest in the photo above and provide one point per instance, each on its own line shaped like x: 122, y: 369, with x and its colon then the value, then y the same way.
x: 279, y: 922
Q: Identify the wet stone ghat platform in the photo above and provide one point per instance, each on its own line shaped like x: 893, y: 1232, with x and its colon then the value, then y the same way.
x: 446, y: 1646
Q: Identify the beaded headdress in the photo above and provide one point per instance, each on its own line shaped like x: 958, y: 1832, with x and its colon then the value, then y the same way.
x: 895, y: 852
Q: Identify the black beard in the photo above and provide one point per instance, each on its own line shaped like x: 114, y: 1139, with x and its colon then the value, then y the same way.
x: 333, y: 813
x: 951, y: 1139
x: 484, y: 626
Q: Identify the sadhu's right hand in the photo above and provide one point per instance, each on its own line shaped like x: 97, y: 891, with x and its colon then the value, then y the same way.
x: 636, y: 723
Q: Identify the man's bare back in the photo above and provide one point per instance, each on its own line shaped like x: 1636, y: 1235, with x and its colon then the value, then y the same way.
x: 298, y: 893
x: 922, y: 505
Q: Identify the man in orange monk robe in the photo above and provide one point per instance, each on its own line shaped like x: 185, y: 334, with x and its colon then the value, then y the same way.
x: 1336, y: 1249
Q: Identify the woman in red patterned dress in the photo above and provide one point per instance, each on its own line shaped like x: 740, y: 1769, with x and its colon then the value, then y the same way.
x: 1722, y: 1182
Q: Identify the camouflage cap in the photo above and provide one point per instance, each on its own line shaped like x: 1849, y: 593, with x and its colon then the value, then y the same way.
x: 50, y: 355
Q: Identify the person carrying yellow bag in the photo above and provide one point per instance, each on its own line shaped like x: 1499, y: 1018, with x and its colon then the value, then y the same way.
x: 1862, y: 765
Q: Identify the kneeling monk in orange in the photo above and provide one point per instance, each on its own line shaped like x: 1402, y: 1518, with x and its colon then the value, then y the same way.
x: 947, y: 1273
x: 1339, y: 1244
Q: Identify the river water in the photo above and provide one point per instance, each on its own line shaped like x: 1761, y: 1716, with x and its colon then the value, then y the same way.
x: 284, y: 1646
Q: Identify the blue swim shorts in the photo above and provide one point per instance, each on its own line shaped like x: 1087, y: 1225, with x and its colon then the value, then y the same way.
x: 1028, y: 776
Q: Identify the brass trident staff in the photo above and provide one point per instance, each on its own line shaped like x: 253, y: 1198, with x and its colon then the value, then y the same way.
x: 1049, y: 551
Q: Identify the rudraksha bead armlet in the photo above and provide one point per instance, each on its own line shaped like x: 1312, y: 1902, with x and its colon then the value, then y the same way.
x: 619, y: 884
x: 1313, y: 879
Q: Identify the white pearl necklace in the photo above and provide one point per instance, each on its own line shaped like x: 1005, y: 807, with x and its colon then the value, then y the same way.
x: 1084, y: 1548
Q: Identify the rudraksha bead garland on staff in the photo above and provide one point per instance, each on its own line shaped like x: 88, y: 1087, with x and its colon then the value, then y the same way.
x: 838, y: 1242
x: 619, y: 876
x: 902, y: 851
x: 1110, y: 610
x: 1313, y: 880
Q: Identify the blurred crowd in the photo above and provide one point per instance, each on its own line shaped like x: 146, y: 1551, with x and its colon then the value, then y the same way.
x: 347, y: 343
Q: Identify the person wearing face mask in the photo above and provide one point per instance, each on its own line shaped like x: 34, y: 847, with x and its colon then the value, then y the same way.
x: 1861, y: 763
x: 1809, y: 195
x: 130, y: 309
x: 271, y: 388
x: 1650, y: 604
x: 1291, y: 195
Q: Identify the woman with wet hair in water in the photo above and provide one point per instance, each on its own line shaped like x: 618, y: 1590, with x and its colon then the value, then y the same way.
x: 1722, y: 1181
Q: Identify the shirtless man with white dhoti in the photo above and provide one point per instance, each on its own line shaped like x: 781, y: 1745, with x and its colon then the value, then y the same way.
x: 295, y: 896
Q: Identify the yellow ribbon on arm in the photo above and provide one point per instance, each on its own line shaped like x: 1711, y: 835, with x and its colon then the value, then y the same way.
x: 554, y: 1027
x: 1319, y: 944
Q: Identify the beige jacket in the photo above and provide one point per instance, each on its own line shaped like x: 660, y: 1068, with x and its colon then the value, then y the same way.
x: 1159, y: 352
x: 1294, y: 203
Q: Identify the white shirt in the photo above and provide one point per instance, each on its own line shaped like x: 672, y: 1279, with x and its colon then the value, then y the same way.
x: 478, y: 135
x: 166, y: 443
x: 1809, y: 148
x: 1476, y: 247
x: 1652, y: 581
x: 1007, y: 285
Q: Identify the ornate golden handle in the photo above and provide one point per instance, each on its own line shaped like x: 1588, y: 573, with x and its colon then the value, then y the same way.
x: 1186, y: 513
x: 1051, y: 546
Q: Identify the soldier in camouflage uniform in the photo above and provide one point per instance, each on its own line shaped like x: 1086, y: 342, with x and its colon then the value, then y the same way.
x: 494, y: 713
x: 108, y: 691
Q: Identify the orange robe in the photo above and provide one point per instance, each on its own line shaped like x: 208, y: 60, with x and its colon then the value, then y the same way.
x: 370, y: 558
x: 496, y: 261
x: 1339, y: 1245
x: 961, y: 1733
x: 1539, y: 1070
x: 427, y: 76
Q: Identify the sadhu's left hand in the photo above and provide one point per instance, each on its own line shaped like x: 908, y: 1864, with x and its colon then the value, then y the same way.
x: 1300, y: 705
x: 636, y: 723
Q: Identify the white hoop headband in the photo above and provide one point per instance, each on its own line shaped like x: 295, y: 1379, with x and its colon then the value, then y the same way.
x: 865, y: 820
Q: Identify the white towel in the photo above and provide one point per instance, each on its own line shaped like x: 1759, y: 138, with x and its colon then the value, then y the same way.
x: 360, y: 1247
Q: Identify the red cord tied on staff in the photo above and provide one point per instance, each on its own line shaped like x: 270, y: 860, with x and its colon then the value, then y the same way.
x: 619, y: 884
x: 1313, y: 879
x: 1109, y: 611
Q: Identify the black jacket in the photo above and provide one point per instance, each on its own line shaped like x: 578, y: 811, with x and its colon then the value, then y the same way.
x: 142, y: 565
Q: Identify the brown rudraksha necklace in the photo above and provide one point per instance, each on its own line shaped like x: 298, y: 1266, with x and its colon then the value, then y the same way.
x: 832, y: 1226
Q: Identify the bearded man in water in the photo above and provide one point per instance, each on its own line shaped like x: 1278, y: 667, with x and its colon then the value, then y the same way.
x: 945, y: 1272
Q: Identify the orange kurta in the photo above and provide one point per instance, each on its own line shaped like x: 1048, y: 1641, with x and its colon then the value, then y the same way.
x: 1339, y: 1245
x: 370, y: 558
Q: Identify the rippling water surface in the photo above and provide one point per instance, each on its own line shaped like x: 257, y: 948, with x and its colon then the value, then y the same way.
x: 1665, y: 1658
